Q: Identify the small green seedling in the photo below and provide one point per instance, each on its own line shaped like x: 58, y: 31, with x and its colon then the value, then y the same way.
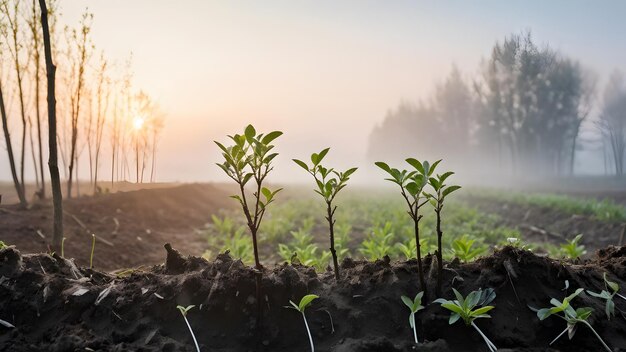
x: 415, y: 306
x: 304, y: 302
x: 463, y: 308
x: 250, y: 158
x: 412, y: 185
x: 63, y: 248
x: 611, y: 289
x: 3, y: 245
x: 93, y: 248
x: 183, y: 311
x: 378, y: 243
x: 570, y: 315
x: 437, y: 201
x: 462, y: 249
x: 329, y: 183
x: 572, y: 249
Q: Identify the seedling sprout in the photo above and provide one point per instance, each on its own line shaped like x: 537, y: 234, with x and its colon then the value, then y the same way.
x: 463, y: 308
x: 183, y: 311
x: 570, y: 315
x: 93, y: 247
x: 304, y: 302
x: 611, y: 289
x: 415, y: 306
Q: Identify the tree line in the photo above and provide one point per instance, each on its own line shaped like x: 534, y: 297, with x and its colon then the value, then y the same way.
x: 100, y: 114
x: 522, y: 113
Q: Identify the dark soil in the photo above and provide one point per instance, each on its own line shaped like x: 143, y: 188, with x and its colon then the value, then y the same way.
x: 53, y: 305
x: 130, y: 227
x: 551, y: 225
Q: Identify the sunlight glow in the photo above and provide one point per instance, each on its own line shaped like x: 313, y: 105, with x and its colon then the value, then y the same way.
x: 138, y: 123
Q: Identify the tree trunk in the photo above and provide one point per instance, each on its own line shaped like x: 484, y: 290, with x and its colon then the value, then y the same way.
x: 57, y: 197
x: 7, y: 137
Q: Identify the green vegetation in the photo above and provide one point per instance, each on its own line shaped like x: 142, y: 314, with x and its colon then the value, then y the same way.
x: 463, y: 308
x: 3, y: 245
x: 610, y: 290
x: 412, y: 185
x: 570, y: 315
x: 304, y: 302
x: 572, y: 249
x: 329, y: 182
x: 415, y: 306
x: 437, y: 200
x: 250, y: 158
x: 603, y: 210
x: 462, y: 248
x: 183, y: 311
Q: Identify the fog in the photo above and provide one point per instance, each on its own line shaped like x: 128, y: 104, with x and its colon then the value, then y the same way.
x: 372, y: 80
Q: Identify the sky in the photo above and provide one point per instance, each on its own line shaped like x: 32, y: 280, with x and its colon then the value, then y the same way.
x: 324, y: 72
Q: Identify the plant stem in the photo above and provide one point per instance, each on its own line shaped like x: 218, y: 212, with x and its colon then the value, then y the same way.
x: 414, y: 329
x: 192, y: 334
x: 439, y: 253
x: 598, y: 336
x: 420, y: 270
x: 490, y: 344
x: 309, y: 332
x: 93, y: 247
x: 63, y: 248
x: 331, y: 224
x: 556, y: 338
x: 620, y: 296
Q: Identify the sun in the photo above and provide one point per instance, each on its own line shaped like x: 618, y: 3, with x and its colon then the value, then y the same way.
x: 138, y: 123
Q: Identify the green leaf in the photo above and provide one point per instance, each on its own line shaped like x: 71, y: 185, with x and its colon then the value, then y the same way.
x: 408, y: 302
x: 416, y: 164
x: 322, y: 154
x: 482, y: 310
x: 305, y: 301
x: 267, y: 193
x: 270, y: 137
x: 349, y: 172
x: 612, y: 285
x: 433, y: 167
x: 301, y: 163
x: 383, y: 166
x: 250, y: 132
x: 453, y: 318
x: 543, y: 313
x: 450, y: 190
x: 413, y: 188
x: 452, y: 307
x: 444, y: 176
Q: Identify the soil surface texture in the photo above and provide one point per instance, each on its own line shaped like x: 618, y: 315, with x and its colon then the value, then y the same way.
x: 56, y: 306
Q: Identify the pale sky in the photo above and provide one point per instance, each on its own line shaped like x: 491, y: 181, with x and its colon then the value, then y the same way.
x: 324, y: 72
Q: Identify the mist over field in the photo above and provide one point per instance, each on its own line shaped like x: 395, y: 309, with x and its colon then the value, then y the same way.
x: 508, y: 89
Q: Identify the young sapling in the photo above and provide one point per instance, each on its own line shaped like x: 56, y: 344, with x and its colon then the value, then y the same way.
x: 415, y: 306
x: 183, y: 311
x: 249, y: 158
x: 412, y: 185
x: 463, y: 308
x: 611, y: 289
x: 329, y: 183
x: 570, y: 315
x: 304, y: 302
x: 437, y: 201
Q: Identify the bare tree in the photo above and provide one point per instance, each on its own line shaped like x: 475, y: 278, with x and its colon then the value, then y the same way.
x: 102, y: 96
x: 34, y: 26
x: 612, y: 121
x: 80, y: 40
x: 57, y: 197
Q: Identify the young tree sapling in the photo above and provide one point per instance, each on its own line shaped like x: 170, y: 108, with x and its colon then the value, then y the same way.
x: 304, y: 302
x: 412, y: 185
x: 415, y: 306
x: 463, y: 308
x: 329, y: 183
x: 183, y: 311
x: 437, y: 201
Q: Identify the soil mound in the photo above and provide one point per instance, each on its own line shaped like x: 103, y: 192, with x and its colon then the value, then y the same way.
x: 57, y: 306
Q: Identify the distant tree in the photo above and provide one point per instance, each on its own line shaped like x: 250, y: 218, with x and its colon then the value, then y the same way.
x: 612, y: 122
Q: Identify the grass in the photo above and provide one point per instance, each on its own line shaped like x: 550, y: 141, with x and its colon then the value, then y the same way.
x: 604, y: 210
